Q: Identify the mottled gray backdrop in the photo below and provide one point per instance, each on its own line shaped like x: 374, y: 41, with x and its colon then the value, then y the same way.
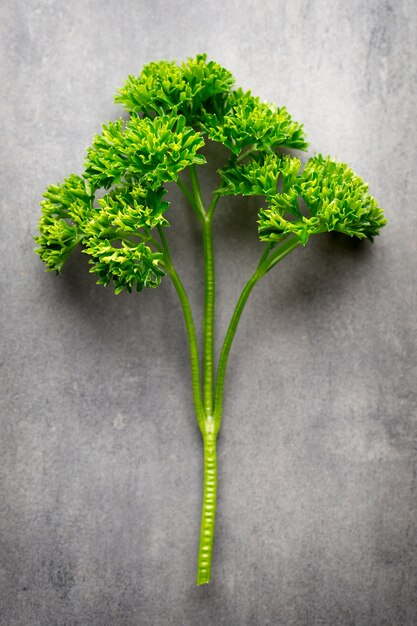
x: 101, y: 458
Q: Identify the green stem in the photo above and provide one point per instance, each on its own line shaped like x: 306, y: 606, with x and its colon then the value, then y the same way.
x: 208, y: 322
x: 114, y: 235
x: 196, y: 190
x: 209, y: 293
x: 189, y: 196
x: 189, y: 323
x: 213, y: 204
x: 265, y: 264
x: 281, y: 252
x: 221, y: 371
x: 209, y: 432
x: 208, y: 515
x: 247, y: 152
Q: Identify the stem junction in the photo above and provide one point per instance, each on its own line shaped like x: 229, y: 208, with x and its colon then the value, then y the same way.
x: 208, y: 389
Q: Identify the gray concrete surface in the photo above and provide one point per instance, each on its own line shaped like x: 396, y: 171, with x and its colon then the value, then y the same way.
x: 100, y: 454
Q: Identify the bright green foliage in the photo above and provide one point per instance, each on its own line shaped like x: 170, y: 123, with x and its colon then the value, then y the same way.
x: 248, y: 122
x: 341, y: 200
x: 127, y: 266
x: 117, y: 210
x: 202, y: 92
x: 119, y: 241
x: 114, y: 234
x: 336, y: 198
x: 173, y: 107
x: 166, y: 88
x: 259, y: 176
x: 64, y: 208
x: 129, y: 210
x: 143, y: 151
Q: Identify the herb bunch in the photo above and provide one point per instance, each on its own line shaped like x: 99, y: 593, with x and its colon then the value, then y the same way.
x: 174, y: 110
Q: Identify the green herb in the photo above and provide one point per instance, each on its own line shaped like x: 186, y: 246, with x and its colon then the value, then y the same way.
x: 174, y: 109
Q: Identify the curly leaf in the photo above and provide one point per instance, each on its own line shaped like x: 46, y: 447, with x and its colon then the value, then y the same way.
x: 166, y: 88
x: 148, y: 152
x: 128, y: 266
x: 64, y: 209
x: 129, y: 210
x: 336, y: 198
x: 259, y: 176
x: 250, y: 123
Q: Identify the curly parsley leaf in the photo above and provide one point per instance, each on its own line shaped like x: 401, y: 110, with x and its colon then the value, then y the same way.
x: 119, y: 239
x: 165, y: 88
x: 63, y: 210
x: 336, y: 199
x: 247, y: 122
x: 142, y: 151
x: 259, y: 176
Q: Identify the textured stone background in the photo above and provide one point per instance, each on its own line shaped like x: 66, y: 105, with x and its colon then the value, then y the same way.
x: 101, y: 458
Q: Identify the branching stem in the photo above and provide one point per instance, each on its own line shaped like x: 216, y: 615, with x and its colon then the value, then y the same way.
x: 189, y: 196
x: 265, y: 264
x: 196, y: 190
x: 189, y: 323
x: 209, y: 291
x: 209, y: 403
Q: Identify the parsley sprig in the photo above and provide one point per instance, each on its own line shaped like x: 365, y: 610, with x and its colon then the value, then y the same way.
x: 118, y: 213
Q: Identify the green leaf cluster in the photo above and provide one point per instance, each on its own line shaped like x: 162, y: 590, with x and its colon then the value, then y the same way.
x: 118, y: 238
x: 63, y: 210
x: 336, y: 199
x: 127, y: 266
x: 144, y: 151
x: 246, y: 122
x: 259, y: 176
x: 164, y: 88
x: 173, y: 110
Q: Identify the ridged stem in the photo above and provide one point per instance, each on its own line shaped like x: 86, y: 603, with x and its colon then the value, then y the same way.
x: 266, y: 263
x: 208, y: 515
x: 208, y: 323
x: 189, y: 324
